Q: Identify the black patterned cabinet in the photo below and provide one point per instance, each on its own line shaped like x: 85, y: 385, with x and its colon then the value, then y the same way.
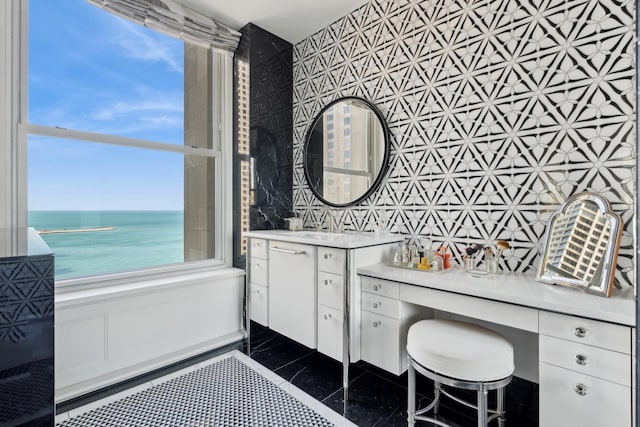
x: 26, y: 335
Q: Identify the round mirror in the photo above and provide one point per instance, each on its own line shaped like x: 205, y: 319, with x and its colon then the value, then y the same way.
x: 346, y: 152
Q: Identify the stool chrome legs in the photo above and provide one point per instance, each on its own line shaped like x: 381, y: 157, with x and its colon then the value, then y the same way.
x: 412, y: 414
x: 436, y: 398
x: 482, y: 389
x: 411, y: 396
x: 482, y: 405
x: 500, y: 408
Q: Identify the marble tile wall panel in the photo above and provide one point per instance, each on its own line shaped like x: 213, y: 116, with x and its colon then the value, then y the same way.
x: 498, y: 110
x: 270, y: 64
x: 269, y: 131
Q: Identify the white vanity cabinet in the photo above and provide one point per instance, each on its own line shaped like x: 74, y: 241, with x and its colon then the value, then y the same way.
x: 331, y: 280
x: 585, y: 372
x: 301, y: 291
x: 259, y: 281
x: 292, y: 291
x: 385, y: 322
x: 577, y: 347
x: 333, y: 276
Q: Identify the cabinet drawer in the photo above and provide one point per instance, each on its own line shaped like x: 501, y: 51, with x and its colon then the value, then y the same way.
x: 331, y: 290
x: 381, y: 305
x: 603, y: 404
x: 331, y: 260
x: 293, y: 294
x: 606, y: 364
x: 259, y: 248
x: 586, y: 331
x: 380, y: 342
x: 259, y: 271
x: 330, y: 323
x: 381, y: 287
x: 260, y: 304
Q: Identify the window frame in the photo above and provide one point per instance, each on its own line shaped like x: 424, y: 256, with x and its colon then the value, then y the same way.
x: 222, y: 152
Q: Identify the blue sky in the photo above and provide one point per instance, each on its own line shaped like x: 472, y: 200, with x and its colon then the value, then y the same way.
x: 92, y: 71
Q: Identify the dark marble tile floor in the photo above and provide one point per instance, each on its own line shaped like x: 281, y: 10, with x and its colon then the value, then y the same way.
x: 377, y: 398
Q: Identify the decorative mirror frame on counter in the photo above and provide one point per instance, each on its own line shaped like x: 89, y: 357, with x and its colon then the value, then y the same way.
x: 581, y: 245
x: 315, y: 134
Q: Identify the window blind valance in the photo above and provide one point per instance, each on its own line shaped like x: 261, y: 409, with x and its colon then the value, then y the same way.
x: 172, y: 18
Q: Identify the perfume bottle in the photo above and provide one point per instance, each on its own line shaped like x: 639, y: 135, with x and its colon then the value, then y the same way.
x: 397, y: 256
x: 489, y: 258
x: 405, y: 254
x: 414, y: 255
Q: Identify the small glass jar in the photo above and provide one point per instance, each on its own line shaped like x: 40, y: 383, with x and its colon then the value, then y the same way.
x: 469, y: 262
x: 489, y: 263
x: 494, y: 265
x: 397, y: 256
x: 405, y: 255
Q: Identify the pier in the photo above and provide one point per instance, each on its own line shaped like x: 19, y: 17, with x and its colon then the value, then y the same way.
x: 76, y: 230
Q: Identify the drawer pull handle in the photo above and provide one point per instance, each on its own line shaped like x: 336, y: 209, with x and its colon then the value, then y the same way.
x: 580, y: 389
x: 327, y: 256
x: 257, y: 291
x: 377, y: 304
x: 581, y: 359
x: 376, y: 287
x: 328, y: 282
x: 327, y: 316
x: 376, y: 324
x: 286, y: 251
x: 580, y: 332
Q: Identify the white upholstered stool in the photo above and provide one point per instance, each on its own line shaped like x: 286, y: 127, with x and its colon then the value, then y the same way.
x: 461, y: 355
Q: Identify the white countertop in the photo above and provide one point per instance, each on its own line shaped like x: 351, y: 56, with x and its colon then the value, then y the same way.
x: 347, y: 240
x: 517, y: 288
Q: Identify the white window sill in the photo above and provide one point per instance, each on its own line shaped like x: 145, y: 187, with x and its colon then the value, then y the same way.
x: 88, y: 289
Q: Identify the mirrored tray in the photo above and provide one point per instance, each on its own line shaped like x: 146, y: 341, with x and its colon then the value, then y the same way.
x: 453, y: 267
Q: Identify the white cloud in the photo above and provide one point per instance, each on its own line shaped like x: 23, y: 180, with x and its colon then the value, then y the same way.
x: 163, y: 120
x: 123, y: 109
x: 137, y: 44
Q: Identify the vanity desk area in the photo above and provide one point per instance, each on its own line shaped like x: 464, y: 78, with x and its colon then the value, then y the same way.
x: 320, y: 289
x: 576, y: 346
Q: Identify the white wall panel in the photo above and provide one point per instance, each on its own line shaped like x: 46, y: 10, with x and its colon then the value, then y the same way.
x: 106, y: 339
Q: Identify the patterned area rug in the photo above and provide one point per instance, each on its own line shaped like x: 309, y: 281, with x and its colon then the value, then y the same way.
x: 225, y: 393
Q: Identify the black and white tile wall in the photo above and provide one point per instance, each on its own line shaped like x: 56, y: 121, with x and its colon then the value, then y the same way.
x: 499, y: 110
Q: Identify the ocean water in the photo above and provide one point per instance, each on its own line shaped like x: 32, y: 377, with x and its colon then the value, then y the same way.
x: 140, y: 239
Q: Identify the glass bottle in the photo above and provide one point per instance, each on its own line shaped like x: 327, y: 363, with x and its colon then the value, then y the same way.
x: 414, y: 255
x: 405, y: 254
x: 397, y: 256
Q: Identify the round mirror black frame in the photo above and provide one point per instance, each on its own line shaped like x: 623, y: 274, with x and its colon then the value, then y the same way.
x: 385, y: 160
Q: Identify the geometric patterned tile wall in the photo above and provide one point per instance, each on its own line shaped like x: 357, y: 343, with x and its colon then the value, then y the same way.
x: 26, y: 295
x: 498, y: 111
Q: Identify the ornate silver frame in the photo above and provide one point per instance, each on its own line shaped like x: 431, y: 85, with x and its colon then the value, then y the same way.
x: 581, y: 245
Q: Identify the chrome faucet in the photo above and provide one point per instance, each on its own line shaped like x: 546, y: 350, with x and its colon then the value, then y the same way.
x: 330, y: 219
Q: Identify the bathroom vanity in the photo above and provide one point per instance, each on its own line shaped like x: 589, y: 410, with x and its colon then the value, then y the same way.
x: 303, y: 284
x: 325, y: 290
x: 577, y: 347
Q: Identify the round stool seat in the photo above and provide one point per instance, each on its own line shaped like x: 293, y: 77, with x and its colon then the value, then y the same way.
x: 460, y: 350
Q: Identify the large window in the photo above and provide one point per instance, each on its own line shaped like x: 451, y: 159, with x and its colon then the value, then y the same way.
x: 125, y: 168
